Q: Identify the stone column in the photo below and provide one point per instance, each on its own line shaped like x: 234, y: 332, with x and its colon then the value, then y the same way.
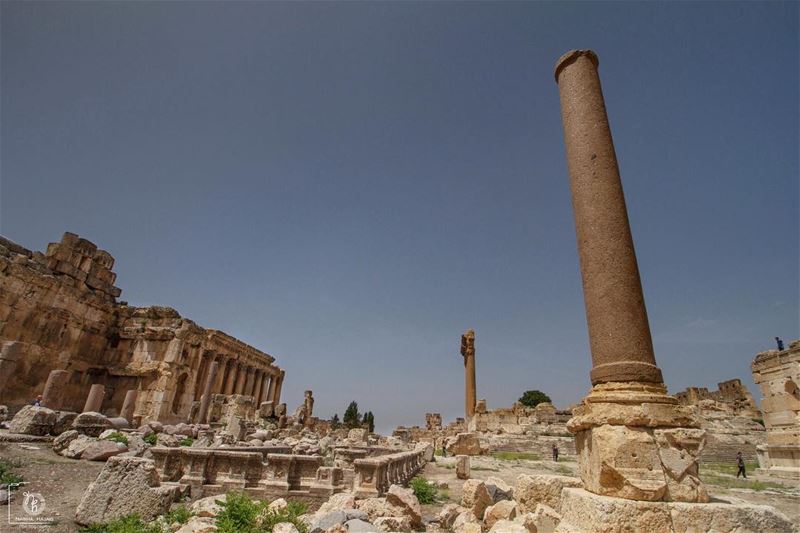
x: 259, y: 382
x: 468, y: 352
x: 54, y: 389
x: 230, y: 379
x: 249, y: 381
x: 308, y: 403
x: 241, y: 375
x: 271, y: 389
x: 633, y: 440
x: 129, y: 405
x: 94, y: 402
x: 205, y: 399
x: 278, y: 387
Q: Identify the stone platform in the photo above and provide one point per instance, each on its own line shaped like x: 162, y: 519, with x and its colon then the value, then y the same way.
x: 584, y: 512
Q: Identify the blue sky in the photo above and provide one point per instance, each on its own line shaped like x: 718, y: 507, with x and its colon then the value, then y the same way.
x: 349, y: 186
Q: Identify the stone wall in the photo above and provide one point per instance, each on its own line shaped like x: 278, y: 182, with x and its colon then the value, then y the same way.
x: 777, y: 374
x: 59, y: 311
x: 731, y: 393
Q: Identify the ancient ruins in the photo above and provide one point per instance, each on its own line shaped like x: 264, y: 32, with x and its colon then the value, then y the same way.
x: 188, y: 423
x: 777, y: 374
x: 65, y: 336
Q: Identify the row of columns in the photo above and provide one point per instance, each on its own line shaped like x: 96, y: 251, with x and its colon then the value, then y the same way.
x: 239, y: 378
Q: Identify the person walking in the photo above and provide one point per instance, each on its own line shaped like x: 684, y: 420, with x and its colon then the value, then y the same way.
x: 555, y: 453
x: 740, y: 464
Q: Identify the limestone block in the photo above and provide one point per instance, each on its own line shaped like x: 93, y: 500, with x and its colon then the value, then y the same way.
x: 464, y: 444
x: 544, y: 520
x: 462, y: 466
x: 728, y: 518
x: 198, y: 524
x: 475, y: 497
x: 61, y: 442
x: 126, y: 485
x: 448, y: 515
x: 340, y: 502
x: 33, y: 420
x: 375, y: 508
x: 3, y: 413
x: 507, y: 526
x: 503, y: 510
x: 499, y: 489
x: 91, y: 423
x: 64, y: 421
x: 404, y: 500
x: 284, y: 527
x: 359, y: 526
x: 327, y: 521
x: 76, y: 446
x: 464, y: 519
x: 541, y: 488
x: 357, y: 435
x: 208, y: 507
x: 388, y: 524
x: 101, y: 450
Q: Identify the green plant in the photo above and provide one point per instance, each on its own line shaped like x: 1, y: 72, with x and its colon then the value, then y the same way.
x: 151, y: 439
x: 335, y: 423
x: 238, y: 514
x: 269, y: 518
x: 117, y: 437
x: 369, y: 421
x: 186, y: 441
x: 424, y: 490
x: 352, y: 418
x: 7, y: 476
x: 532, y: 398
x: 513, y: 456
x: 127, y: 524
x: 180, y: 514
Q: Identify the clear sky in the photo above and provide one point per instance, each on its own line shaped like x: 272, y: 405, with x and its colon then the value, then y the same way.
x: 350, y: 186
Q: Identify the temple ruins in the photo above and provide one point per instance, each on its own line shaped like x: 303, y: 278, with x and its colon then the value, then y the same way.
x: 65, y: 336
x: 777, y: 374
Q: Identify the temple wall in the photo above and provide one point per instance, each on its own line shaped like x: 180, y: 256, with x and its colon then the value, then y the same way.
x: 59, y: 311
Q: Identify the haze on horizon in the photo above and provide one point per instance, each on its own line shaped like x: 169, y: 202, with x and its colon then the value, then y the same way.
x: 350, y: 186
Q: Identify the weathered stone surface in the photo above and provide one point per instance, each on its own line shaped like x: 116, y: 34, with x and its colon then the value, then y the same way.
x: 467, y: 527
x: 91, y: 424
x: 584, y: 511
x: 389, y: 524
x: 507, y: 526
x: 327, y: 521
x: 338, y: 502
x: 464, y: 444
x: 357, y: 435
x: 64, y: 421
x: 544, y: 520
x: 462, y: 466
x: 33, y: 420
x: 475, y: 497
x: 208, y: 507
x: 61, y: 442
x: 499, y: 489
x: 284, y: 527
x: 197, y: 524
x: 375, y: 508
x: 503, y: 510
x: 448, y: 515
x: 126, y: 485
x: 406, y: 502
x: 545, y: 489
x: 360, y: 526
x: 101, y: 450
x: 77, y: 446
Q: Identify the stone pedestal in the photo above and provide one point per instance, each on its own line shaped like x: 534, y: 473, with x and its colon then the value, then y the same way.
x: 94, y: 402
x: 462, y: 467
x: 54, y: 388
x: 129, y: 405
x: 584, y: 512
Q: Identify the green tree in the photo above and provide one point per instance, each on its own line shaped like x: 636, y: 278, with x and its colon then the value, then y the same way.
x: 369, y: 421
x: 532, y: 398
x: 352, y: 418
x: 335, y: 423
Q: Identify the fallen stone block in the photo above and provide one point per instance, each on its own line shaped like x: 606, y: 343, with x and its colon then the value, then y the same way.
x: 33, y: 420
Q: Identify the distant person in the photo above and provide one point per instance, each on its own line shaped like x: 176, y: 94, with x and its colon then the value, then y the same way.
x: 740, y: 464
x: 555, y: 453
x: 37, y: 401
x: 780, y: 343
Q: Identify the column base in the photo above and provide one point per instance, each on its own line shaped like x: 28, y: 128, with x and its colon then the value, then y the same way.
x: 634, y: 441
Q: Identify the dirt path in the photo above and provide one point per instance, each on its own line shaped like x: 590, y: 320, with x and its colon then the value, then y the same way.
x: 59, y: 480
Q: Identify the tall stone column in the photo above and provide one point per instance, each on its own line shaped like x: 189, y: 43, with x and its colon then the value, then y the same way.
x: 248, y: 382
x: 278, y: 387
x: 129, y: 405
x: 241, y: 375
x: 205, y: 399
x: 54, y: 389
x: 271, y: 389
x: 94, y: 402
x: 259, y: 382
x: 468, y: 352
x: 634, y: 441
x: 230, y: 380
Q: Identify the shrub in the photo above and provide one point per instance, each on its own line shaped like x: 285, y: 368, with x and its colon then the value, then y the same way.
x: 7, y: 476
x: 151, y: 439
x: 181, y: 514
x: 532, y: 398
x: 117, y: 437
x: 126, y: 524
x: 238, y: 514
x: 291, y: 513
x: 186, y: 441
x: 424, y: 490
